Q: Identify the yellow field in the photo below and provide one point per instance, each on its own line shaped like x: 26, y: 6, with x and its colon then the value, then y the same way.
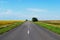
x: 5, y: 23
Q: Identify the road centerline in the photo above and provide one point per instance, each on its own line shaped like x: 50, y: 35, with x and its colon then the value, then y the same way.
x: 28, y: 31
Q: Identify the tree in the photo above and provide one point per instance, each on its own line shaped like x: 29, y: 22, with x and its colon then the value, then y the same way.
x: 34, y: 19
x: 26, y: 20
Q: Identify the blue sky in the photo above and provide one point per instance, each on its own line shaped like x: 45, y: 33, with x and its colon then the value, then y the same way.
x: 26, y: 9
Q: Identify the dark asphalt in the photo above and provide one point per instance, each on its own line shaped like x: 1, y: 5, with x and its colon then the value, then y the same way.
x: 29, y: 31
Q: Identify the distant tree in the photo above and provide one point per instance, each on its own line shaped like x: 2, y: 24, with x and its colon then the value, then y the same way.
x: 34, y: 19
x: 26, y: 20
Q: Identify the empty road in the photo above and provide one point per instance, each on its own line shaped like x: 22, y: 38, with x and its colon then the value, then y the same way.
x: 29, y: 31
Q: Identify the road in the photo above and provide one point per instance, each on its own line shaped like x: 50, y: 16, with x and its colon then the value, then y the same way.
x: 29, y: 31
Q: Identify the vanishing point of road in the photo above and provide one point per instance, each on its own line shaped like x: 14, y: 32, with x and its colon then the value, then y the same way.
x: 29, y: 31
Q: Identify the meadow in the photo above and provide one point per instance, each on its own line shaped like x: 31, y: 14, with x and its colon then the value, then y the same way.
x: 52, y: 25
x: 7, y: 25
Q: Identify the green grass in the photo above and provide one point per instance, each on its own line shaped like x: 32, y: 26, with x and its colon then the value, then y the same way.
x: 49, y: 27
x: 6, y: 29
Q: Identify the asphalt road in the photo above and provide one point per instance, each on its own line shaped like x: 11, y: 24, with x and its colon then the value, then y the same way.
x: 29, y: 31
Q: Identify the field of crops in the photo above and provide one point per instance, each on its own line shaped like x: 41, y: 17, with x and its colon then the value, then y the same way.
x: 7, y: 25
x: 53, y: 25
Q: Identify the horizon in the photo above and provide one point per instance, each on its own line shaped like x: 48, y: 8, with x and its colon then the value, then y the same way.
x: 27, y: 9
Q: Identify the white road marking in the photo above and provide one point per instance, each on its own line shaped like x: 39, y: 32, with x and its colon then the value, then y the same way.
x: 28, y: 32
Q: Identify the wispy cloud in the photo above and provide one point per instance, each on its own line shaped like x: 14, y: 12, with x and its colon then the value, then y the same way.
x: 8, y: 11
x: 37, y: 10
x: 5, y: 11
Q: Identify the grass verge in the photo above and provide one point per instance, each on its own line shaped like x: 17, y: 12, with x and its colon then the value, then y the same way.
x: 49, y: 27
x: 9, y: 27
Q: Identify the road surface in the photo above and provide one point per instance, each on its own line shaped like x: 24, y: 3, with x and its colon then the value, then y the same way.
x: 29, y: 31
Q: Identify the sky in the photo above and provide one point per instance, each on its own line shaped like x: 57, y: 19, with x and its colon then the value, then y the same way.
x: 27, y: 9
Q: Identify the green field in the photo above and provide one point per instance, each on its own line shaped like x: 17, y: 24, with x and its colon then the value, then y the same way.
x: 53, y: 25
x: 5, y: 26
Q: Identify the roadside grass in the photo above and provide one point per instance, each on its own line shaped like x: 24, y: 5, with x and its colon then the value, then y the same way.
x: 49, y: 27
x: 9, y: 27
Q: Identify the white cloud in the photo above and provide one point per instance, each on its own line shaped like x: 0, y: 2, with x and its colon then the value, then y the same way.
x: 57, y: 16
x: 5, y: 11
x: 8, y: 11
x: 36, y: 10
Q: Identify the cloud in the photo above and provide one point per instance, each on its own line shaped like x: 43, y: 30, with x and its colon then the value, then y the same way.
x: 36, y: 10
x: 8, y: 11
x: 5, y: 12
